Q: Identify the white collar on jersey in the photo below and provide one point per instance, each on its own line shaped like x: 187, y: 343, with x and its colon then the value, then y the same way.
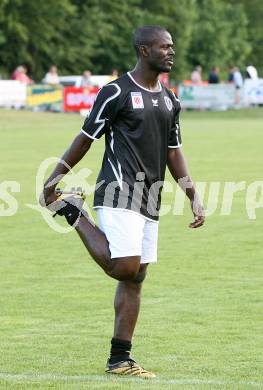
x: 148, y: 90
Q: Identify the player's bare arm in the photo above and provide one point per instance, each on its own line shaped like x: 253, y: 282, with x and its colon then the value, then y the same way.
x: 178, y: 167
x: 71, y: 157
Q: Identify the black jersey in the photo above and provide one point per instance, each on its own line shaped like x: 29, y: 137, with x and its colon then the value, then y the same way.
x: 139, y: 125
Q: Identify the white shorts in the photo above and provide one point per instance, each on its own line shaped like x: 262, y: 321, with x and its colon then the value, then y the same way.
x: 129, y: 234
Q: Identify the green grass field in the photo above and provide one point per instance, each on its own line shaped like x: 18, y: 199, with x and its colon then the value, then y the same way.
x: 201, y: 318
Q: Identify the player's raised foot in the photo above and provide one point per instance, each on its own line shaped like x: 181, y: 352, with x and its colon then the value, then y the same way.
x: 69, y: 204
x: 130, y: 368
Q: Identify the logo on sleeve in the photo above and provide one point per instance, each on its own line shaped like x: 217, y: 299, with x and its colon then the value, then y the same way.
x: 168, y: 102
x: 137, y: 101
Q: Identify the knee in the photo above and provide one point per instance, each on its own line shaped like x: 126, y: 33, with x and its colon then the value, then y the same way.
x: 124, y: 272
x: 128, y: 273
x: 141, y: 275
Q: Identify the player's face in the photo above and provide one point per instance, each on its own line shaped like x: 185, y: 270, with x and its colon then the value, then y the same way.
x: 161, y: 53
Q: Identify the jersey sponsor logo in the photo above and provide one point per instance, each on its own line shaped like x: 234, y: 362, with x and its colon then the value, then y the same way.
x: 168, y: 102
x: 137, y: 100
x: 155, y: 102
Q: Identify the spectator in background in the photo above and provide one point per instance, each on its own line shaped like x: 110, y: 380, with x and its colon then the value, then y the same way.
x: 51, y: 76
x: 196, y: 75
x: 114, y: 75
x: 164, y: 79
x: 237, y: 78
x: 238, y: 82
x: 252, y: 72
x: 85, y: 80
x: 213, y: 77
x: 230, y: 78
x: 15, y: 72
x: 20, y: 74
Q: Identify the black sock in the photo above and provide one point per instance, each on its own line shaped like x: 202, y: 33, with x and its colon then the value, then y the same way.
x: 120, y: 350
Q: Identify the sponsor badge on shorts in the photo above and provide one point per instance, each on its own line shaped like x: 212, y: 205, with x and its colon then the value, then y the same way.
x: 137, y: 101
x: 168, y: 102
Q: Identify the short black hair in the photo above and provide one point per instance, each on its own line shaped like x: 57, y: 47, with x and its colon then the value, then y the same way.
x: 146, y: 35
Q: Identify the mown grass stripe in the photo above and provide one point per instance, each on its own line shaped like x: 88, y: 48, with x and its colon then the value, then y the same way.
x: 42, y: 377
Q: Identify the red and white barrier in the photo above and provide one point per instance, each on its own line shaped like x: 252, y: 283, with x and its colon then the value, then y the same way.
x: 76, y: 99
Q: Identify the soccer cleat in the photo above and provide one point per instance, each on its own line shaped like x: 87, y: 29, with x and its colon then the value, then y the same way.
x: 69, y: 204
x: 128, y: 367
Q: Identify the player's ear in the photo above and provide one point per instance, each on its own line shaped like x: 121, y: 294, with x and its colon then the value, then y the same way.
x: 144, y: 50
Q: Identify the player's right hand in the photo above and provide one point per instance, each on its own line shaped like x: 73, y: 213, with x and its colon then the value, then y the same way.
x: 199, y: 214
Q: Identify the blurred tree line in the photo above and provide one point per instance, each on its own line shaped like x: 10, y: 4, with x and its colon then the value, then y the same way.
x: 96, y: 34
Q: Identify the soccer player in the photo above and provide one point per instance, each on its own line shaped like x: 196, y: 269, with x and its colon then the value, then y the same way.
x: 139, y: 119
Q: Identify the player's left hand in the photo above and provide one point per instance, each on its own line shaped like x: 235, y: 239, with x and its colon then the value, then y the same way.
x: 48, y: 198
x: 199, y: 214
